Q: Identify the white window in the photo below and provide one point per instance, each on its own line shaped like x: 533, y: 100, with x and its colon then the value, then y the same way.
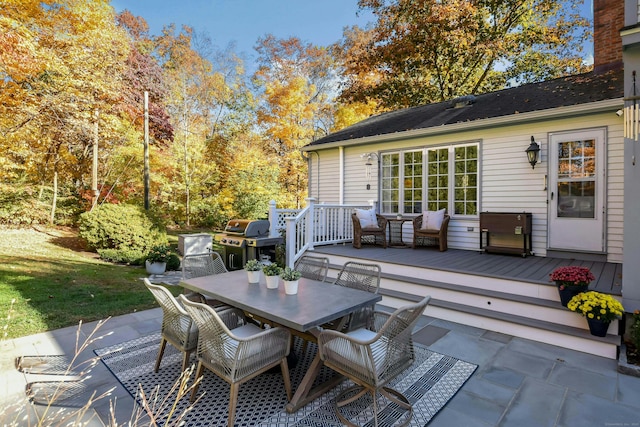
x: 431, y: 178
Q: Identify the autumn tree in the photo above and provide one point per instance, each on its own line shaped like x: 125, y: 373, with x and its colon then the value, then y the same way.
x: 207, y: 101
x: 296, y: 82
x: 423, y: 51
x: 66, y: 90
x: 144, y: 73
x: 254, y: 182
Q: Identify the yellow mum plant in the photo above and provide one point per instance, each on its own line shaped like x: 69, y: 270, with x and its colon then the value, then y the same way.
x: 596, y: 305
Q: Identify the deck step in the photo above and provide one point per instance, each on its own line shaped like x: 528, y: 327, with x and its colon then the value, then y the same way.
x: 525, y: 321
x: 453, y: 302
x: 534, y: 329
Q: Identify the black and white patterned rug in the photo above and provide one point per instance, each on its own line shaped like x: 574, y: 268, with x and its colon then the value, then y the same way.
x: 429, y: 383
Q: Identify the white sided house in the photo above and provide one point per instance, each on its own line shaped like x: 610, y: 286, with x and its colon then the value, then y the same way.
x: 469, y: 156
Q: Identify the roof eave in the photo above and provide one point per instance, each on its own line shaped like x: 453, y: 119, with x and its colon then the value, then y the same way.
x: 518, y: 118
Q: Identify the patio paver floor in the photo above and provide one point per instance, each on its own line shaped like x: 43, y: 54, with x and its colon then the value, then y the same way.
x: 518, y: 382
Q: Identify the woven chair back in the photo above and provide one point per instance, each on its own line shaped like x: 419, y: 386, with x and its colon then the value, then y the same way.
x: 359, y: 275
x: 206, y: 264
x: 312, y: 267
x: 215, y: 344
x: 177, y: 325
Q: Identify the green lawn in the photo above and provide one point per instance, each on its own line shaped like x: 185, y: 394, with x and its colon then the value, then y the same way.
x: 47, y: 282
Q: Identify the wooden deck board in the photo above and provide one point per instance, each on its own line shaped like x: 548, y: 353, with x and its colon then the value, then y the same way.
x: 533, y: 269
x: 538, y: 269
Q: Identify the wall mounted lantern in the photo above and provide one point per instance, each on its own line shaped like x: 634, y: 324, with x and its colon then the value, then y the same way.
x: 532, y: 153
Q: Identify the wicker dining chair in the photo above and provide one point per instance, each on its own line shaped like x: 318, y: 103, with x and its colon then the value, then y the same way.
x: 371, y: 358
x: 177, y: 327
x: 199, y: 265
x: 313, y: 267
x: 237, y: 353
x: 363, y: 276
x: 374, y: 235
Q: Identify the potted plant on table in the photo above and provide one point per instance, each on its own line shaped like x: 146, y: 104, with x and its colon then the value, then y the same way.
x: 599, y: 309
x: 253, y: 268
x: 271, y: 273
x: 156, y: 261
x: 290, y: 278
x: 571, y: 280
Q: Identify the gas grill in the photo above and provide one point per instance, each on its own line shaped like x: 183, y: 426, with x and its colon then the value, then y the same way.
x: 245, y: 239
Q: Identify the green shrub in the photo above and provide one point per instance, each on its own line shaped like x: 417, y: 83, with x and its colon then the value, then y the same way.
x: 68, y: 208
x: 19, y: 206
x: 122, y: 227
x: 173, y: 263
x: 635, y: 329
x: 207, y: 213
x: 122, y: 256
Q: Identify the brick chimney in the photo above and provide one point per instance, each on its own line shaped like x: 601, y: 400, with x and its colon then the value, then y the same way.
x: 608, y: 20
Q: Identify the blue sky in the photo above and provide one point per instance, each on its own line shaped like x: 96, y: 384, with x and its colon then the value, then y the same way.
x: 243, y: 21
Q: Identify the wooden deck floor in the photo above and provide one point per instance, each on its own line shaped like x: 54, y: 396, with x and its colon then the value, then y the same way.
x: 534, y: 269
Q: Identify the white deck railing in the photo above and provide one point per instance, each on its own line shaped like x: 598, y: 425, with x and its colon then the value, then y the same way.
x: 317, y: 224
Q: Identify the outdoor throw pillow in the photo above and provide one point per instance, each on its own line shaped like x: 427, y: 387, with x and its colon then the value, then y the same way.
x: 432, y: 220
x: 367, y: 218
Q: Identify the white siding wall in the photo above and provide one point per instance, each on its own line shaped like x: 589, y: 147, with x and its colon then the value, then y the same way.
x: 325, y: 180
x: 355, y: 185
x: 615, y: 192
x: 507, y: 182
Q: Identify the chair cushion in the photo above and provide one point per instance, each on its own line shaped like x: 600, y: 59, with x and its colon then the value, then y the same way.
x: 362, y: 334
x: 245, y: 331
x: 378, y: 348
x: 432, y: 220
x: 367, y: 218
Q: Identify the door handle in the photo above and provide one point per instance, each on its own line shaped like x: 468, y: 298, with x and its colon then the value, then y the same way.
x: 552, y: 195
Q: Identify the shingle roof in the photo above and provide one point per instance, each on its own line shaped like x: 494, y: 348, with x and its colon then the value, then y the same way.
x: 561, y: 92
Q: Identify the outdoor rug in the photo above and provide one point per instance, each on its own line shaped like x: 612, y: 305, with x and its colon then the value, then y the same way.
x: 429, y: 384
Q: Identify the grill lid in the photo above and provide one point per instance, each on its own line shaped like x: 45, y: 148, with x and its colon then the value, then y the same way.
x: 247, y: 227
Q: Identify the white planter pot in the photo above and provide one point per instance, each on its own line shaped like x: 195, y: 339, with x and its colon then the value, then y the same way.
x: 155, y: 267
x: 272, y: 281
x: 253, y: 276
x: 290, y: 287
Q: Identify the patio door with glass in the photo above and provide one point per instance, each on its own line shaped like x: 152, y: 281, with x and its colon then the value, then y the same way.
x: 576, y: 190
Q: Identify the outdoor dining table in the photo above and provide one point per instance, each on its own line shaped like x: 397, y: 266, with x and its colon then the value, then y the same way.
x: 315, y: 304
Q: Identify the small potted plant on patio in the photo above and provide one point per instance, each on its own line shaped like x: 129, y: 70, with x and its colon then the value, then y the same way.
x: 290, y: 278
x: 271, y: 273
x: 571, y: 280
x: 253, y: 268
x: 156, y: 261
x: 599, y: 309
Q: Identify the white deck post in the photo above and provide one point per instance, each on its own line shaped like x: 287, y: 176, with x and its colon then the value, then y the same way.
x: 273, y: 219
x: 311, y: 224
x: 290, y: 241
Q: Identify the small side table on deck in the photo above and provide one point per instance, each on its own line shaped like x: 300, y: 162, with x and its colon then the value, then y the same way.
x: 395, y: 232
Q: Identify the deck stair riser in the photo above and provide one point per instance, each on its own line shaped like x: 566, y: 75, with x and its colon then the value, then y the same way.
x: 575, y: 340
x: 528, y: 307
x: 525, y: 309
x: 536, y: 290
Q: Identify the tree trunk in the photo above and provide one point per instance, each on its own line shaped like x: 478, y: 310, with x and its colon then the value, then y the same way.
x: 187, y: 181
x: 54, y: 198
